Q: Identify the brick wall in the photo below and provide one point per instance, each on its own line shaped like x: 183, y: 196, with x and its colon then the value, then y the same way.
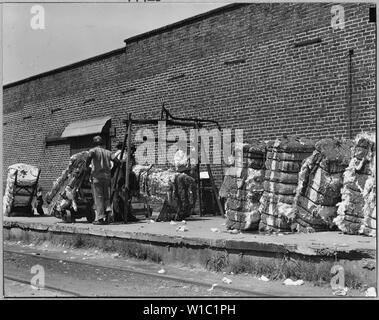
x: 238, y: 66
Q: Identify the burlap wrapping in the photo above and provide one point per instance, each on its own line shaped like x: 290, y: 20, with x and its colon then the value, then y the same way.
x: 253, y: 154
x: 291, y: 145
x: 275, y: 206
x: 283, y: 166
x: 306, y: 223
x: 280, y: 188
x: 357, y: 209
x: 350, y: 211
x: 27, y: 177
x: 243, y: 220
x: 233, y: 179
x: 283, y: 177
x: 274, y: 223
x: 276, y: 198
x: 326, y: 195
x: 284, y: 156
x: 319, y: 188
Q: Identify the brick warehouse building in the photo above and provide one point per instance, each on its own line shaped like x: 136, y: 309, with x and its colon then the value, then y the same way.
x: 270, y: 69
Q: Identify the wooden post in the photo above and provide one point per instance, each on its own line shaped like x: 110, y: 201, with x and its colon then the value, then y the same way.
x: 127, y: 207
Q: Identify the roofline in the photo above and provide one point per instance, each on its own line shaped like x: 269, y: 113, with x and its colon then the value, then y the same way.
x: 183, y: 22
x: 141, y: 36
x: 66, y: 67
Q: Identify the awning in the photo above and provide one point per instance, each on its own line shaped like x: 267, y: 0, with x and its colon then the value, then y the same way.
x: 85, y: 127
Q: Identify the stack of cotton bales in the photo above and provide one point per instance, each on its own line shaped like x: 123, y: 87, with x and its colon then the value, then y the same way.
x: 368, y: 226
x: 18, y: 194
x: 320, y: 183
x: 63, y: 192
x: 283, y: 163
x: 158, y: 186
x: 357, y: 210
x: 243, y: 187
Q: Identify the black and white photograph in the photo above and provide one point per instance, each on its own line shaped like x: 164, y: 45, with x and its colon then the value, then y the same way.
x: 192, y: 150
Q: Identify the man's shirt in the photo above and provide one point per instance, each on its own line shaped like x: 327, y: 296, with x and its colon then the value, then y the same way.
x: 101, y: 163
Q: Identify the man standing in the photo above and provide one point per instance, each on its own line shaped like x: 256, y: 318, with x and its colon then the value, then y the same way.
x: 118, y: 196
x: 101, y: 179
x: 184, y: 184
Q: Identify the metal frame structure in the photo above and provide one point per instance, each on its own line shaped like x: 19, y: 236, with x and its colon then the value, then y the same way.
x: 170, y: 120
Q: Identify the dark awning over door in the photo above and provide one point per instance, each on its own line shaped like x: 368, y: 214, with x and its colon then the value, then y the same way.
x: 86, y: 127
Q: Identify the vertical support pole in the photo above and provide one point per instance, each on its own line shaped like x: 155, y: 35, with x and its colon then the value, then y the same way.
x: 198, y: 171
x: 127, y: 205
x: 350, y: 93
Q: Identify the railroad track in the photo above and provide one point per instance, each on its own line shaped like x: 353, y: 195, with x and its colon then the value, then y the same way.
x: 249, y: 293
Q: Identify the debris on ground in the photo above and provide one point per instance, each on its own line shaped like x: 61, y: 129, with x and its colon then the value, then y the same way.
x: 215, y: 229
x: 370, y: 292
x: 64, y: 251
x: 173, y: 223
x: 36, y: 287
x: 115, y: 255
x: 212, y: 288
x: 226, y: 280
x: 341, y: 292
x: 264, y: 278
x: 162, y: 271
x: 182, y: 229
x: 369, y: 264
x: 290, y: 282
